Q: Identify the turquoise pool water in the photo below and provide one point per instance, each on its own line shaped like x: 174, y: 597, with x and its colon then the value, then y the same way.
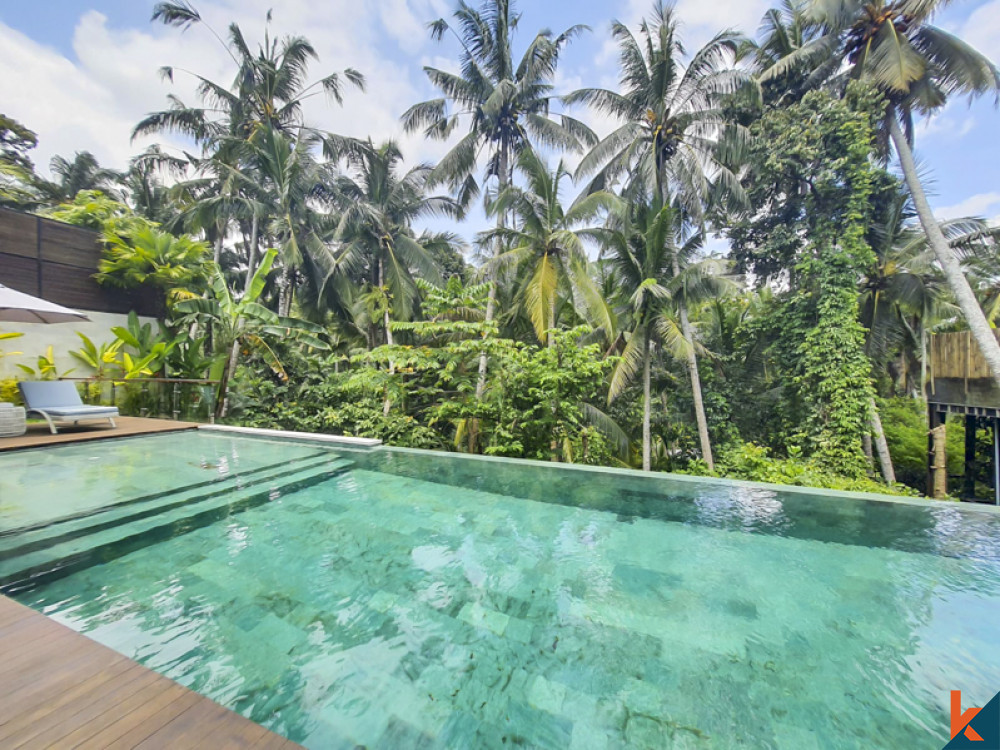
x: 398, y: 599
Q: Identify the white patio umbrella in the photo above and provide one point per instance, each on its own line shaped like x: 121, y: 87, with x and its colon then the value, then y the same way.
x: 17, y: 307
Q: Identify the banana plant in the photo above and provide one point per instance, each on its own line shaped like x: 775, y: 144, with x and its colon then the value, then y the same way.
x: 244, y: 323
x: 188, y: 358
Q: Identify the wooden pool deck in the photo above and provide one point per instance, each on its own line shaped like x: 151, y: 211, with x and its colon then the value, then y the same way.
x: 60, y: 689
x: 38, y: 434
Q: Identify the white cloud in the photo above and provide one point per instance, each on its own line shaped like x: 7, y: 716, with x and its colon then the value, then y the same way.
x: 701, y: 20
x: 92, y: 102
x: 981, y: 204
x: 947, y: 124
x: 982, y: 29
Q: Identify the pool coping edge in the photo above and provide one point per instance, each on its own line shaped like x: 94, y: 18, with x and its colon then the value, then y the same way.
x: 312, y: 436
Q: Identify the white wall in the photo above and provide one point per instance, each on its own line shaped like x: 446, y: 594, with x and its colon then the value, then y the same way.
x: 63, y: 339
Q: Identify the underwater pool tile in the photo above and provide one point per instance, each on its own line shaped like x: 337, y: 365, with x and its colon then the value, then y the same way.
x: 453, y: 602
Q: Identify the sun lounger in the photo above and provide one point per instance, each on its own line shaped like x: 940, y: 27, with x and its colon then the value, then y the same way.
x: 59, y: 400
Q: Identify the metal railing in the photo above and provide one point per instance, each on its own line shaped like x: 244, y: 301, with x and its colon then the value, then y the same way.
x: 191, y: 399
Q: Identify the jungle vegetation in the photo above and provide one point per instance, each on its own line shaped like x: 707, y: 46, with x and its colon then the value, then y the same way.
x: 592, y: 321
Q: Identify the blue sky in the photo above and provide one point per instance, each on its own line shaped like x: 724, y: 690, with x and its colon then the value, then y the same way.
x: 82, y: 72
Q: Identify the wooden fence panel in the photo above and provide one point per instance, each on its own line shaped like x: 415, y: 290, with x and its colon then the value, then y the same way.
x: 64, y: 272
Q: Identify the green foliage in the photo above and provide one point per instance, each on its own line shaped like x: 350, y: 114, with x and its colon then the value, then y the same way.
x: 9, y: 393
x: 813, y: 181
x: 150, y: 256
x: 8, y: 336
x: 535, y: 407
x: 905, y: 423
x: 136, y: 251
x: 17, y: 173
x: 754, y: 463
x: 102, y: 360
x: 95, y: 210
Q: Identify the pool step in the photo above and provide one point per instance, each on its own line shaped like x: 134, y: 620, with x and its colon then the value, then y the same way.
x: 53, y: 552
x: 68, y: 528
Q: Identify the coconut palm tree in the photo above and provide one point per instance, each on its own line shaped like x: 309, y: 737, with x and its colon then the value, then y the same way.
x: 267, y: 92
x: 782, y: 31
x: 293, y: 188
x: 646, y: 240
x: 378, y: 204
x: 916, y: 66
x: 143, y: 183
x: 545, y: 249
x: 675, y: 140
x: 501, y: 106
x: 82, y: 172
x: 266, y: 97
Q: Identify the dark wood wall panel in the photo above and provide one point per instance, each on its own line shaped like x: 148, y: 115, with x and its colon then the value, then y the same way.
x: 18, y: 234
x: 69, y: 245
x: 64, y: 273
x: 19, y: 273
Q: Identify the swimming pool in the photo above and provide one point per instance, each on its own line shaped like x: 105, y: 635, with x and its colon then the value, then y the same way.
x: 394, y: 598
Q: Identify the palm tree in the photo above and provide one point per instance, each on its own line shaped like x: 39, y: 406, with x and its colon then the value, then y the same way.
x: 82, y: 172
x: 916, y: 66
x: 674, y: 140
x: 379, y: 247
x: 266, y: 96
x: 502, y: 106
x: 293, y: 186
x: 143, y: 185
x: 783, y: 30
x: 149, y: 256
x: 267, y: 92
x: 645, y: 242
x: 545, y: 246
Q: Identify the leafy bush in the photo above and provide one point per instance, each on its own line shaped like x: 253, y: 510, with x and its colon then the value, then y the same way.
x: 905, y: 423
x: 754, y: 463
x: 9, y: 392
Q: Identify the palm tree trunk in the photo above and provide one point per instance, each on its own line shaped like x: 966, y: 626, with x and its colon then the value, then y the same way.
x: 974, y: 316
x: 692, y: 366
x: 252, y: 252
x: 647, y: 438
x: 386, y: 403
x: 491, y: 299
x: 923, y: 361
x: 222, y: 405
x: 285, y: 303
x: 217, y: 253
x: 881, y: 446
x: 552, y: 322
x: 699, y: 406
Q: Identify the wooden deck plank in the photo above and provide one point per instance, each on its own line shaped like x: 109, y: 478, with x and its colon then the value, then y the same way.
x: 29, y: 707
x: 137, y: 725
x: 272, y: 741
x: 38, y: 434
x: 61, y: 689
x: 50, y: 731
x: 139, y: 732
x: 41, y: 690
x: 109, y: 708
